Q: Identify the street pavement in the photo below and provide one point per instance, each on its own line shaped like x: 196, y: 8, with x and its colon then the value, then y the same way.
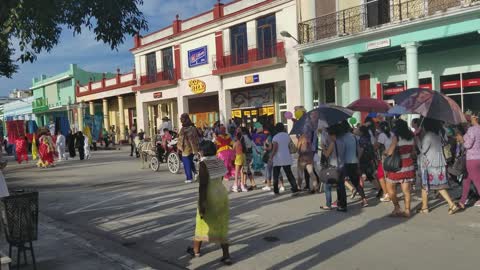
x: 118, y: 216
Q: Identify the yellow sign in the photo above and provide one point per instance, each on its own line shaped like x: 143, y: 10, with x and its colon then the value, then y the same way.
x: 254, y: 112
x: 270, y: 111
x: 246, y: 113
x: 237, y: 114
x: 197, y: 86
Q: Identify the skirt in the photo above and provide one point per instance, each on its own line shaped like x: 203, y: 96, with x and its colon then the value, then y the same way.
x: 434, y: 178
x: 213, y: 227
x: 240, y: 159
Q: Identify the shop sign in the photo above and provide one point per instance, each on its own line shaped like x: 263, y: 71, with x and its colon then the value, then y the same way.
x: 255, y: 78
x: 254, y: 112
x: 157, y: 95
x: 237, y: 114
x: 451, y: 85
x: 270, y: 111
x: 377, y: 44
x: 197, y: 86
x: 246, y: 113
x: 472, y: 82
x: 198, y: 57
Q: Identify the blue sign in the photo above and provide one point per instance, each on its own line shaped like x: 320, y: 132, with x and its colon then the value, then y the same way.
x: 197, y: 57
x: 256, y: 78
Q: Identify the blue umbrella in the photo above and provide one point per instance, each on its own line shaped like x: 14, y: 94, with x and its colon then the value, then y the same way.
x: 327, y: 115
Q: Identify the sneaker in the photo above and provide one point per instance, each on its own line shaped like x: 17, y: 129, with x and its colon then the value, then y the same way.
x: 244, y: 189
x: 188, y: 181
x: 282, y: 189
x: 266, y: 188
x: 334, y: 204
x: 235, y: 189
x: 477, y: 203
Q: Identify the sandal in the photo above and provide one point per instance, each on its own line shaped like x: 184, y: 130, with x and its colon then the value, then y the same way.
x: 423, y: 211
x: 226, y: 260
x: 397, y: 214
x: 453, y: 210
x: 192, y: 252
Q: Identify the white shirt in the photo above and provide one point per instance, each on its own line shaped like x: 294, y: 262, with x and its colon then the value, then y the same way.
x: 61, y: 140
x: 383, y: 139
x: 282, y: 157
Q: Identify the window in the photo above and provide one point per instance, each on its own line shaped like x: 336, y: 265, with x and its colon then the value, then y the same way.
x: 266, y: 37
x: 238, y: 44
x: 151, y: 68
x: 378, y: 12
x: 330, y: 91
x: 167, y: 62
x: 464, y: 89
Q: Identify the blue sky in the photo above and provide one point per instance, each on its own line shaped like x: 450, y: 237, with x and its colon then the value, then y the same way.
x: 96, y: 56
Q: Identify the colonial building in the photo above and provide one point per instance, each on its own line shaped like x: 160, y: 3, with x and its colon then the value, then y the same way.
x: 54, y: 97
x: 229, y: 62
x: 378, y: 48
x: 113, y: 99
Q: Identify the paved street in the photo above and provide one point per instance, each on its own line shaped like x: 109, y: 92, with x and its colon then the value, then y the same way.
x: 141, y: 218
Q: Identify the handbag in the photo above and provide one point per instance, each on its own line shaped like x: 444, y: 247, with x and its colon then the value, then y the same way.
x: 266, y: 157
x: 292, y: 147
x: 393, y: 163
x: 331, y: 174
x: 459, y: 166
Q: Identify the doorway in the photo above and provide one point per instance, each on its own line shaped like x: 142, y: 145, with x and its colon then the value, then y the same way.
x: 364, y: 91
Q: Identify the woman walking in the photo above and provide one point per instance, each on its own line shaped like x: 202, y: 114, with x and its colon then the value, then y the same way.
x: 403, y: 141
x: 433, y: 165
x: 281, y: 158
x: 383, y: 143
x: 80, y: 144
x: 212, y: 212
x: 239, y: 148
x: 247, y: 167
x: 188, y: 144
x: 225, y: 153
x: 471, y: 142
x: 305, y: 162
x: 60, y: 143
x: 71, y: 143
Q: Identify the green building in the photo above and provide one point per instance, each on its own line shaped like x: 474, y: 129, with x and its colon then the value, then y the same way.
x: 54, y: 97
x: 380, y: 48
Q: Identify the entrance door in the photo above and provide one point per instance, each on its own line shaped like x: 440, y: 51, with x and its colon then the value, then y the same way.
x: 364, y: 91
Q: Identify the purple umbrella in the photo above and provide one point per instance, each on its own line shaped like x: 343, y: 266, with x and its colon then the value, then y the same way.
x: 428, y: 103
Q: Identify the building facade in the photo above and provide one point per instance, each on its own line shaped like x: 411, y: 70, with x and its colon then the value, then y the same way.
x: 378, y: 48
x: 113, y: 99
x: 229, y: 62
x: 54, y: 97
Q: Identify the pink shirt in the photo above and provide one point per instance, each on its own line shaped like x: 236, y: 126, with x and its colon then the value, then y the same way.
x: 472, y: 143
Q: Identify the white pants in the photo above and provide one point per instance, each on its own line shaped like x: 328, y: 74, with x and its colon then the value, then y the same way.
x: 61, y: 153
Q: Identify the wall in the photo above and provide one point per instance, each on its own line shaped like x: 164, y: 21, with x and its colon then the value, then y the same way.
x: 202, y: 70
x: 344, y: 4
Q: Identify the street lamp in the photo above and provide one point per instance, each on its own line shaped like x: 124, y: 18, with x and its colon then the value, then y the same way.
x: 288, y: 35
x: 401, y: 65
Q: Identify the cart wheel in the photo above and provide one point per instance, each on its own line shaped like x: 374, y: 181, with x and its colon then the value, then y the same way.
x: 154, y: 164
x: 173, y: 163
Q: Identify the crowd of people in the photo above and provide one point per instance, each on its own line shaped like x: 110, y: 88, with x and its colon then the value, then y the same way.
x: 430, y: 157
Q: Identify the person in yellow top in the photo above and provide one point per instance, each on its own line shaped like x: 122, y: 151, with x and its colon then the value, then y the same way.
x: 188, y: 141
x: 225, y: 152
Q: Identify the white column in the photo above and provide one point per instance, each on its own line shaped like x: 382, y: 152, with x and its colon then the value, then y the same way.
x: 307, y: 86
x: 353, y: 77
x: 92, y: 108
x: 412, y: 64
x: 80, y: 116
x: 106, y: 122
x: 121, y: 118
x: 252, y: 34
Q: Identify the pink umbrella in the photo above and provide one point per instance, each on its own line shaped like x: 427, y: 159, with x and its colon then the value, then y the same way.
x: 369, y: 105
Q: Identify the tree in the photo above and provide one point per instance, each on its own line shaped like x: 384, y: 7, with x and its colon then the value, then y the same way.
x: 33, y: 26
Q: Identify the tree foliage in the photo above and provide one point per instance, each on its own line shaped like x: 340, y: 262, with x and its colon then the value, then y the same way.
x: 28, y: 27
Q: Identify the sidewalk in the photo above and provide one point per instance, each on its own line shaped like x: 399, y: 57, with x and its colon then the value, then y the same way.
x: 59, y: 249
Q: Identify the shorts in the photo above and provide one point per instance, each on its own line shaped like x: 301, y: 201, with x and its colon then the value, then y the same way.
x: 239, y: 159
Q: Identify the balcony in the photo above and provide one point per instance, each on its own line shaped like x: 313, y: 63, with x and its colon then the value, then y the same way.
x: 255, y: 58
x: 40, y: 105
x: 372, y: 15
x: 104, y: 85
x: 157, y: 80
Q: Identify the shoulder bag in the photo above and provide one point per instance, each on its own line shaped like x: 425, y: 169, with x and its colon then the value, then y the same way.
x: 292, y: 147
x: 393, y: 163
x: 331, y: 174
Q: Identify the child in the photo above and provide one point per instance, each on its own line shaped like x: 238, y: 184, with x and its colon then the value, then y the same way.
x: 21, y: 145
x: 239, y: 148
x: 166, y: 138
x: 213, y: 211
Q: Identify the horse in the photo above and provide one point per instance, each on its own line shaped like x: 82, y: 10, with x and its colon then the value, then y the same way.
x: 145, y: 149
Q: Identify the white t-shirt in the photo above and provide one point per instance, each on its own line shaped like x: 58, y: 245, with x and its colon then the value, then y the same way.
x: 383, y: 139
x: 283, y: 156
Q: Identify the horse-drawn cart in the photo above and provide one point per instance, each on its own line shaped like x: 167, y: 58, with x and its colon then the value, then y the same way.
x: 154, y: 155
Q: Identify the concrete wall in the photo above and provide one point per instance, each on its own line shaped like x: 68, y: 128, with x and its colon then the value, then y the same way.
x: 202, y: 70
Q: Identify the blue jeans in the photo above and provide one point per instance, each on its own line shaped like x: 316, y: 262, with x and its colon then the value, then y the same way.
x: 268, y: 171
x: 188, y: 166
x: 328, y: 194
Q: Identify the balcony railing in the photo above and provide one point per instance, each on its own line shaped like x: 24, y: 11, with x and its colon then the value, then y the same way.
x: 119, y: 81
x: 166, y: 75
x: 39, y: 105
x: 253, y: 57
x: 373, y: 14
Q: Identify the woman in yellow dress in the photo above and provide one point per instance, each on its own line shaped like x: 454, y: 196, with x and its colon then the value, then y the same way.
x: 212, y: 212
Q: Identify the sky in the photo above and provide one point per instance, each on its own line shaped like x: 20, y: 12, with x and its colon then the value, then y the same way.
x: 95, y: 56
